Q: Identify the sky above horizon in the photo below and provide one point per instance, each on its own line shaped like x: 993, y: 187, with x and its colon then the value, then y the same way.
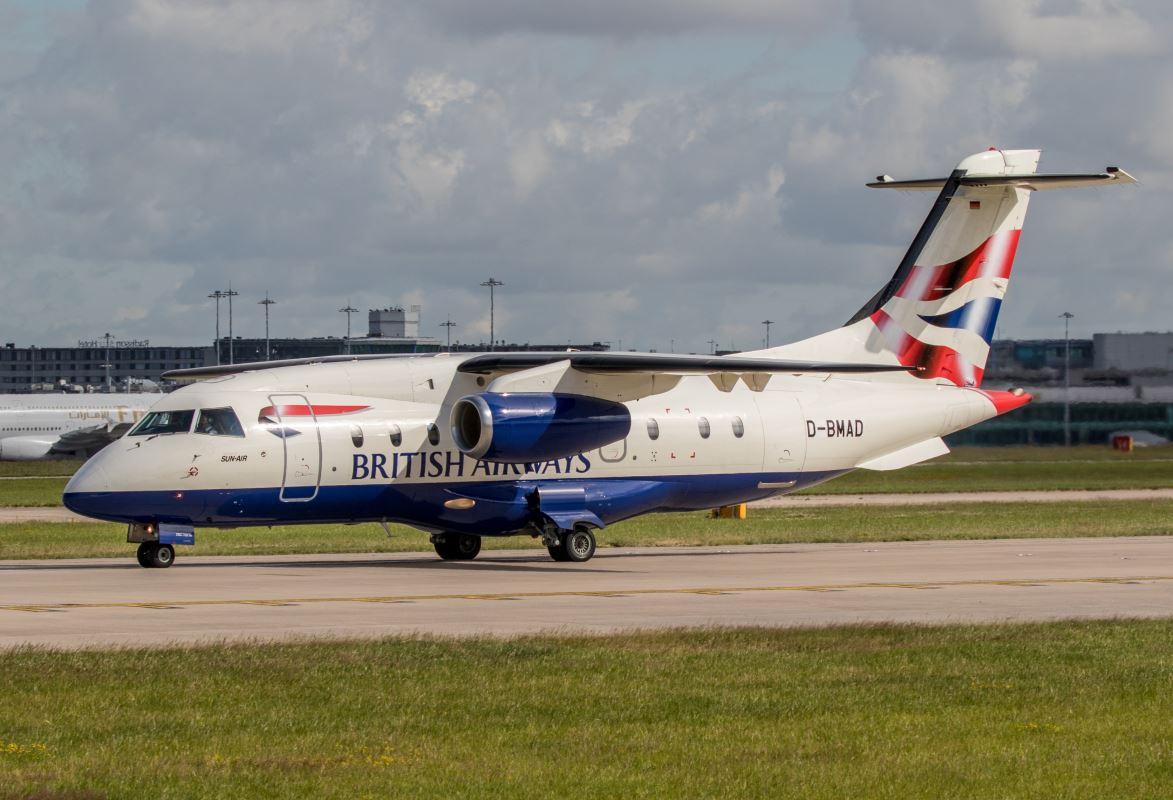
x: 659, y: 174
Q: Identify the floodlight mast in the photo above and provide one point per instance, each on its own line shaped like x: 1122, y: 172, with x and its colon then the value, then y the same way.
x: 348, y: 310
x: 492, y: 283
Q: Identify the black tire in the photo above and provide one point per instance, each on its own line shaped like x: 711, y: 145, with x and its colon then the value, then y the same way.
x: 578, y: 545
x: 163, y: 557
x: 556, y: 551
x: 458, y: 547
x: 146, y: 552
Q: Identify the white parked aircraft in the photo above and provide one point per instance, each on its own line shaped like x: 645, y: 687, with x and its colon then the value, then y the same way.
x: 556, y: 445
x: 36, y: 426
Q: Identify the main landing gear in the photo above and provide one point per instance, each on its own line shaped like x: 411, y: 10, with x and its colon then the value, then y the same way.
x: 576, y: 545
x: 155, y: 555
x: 456, y: 546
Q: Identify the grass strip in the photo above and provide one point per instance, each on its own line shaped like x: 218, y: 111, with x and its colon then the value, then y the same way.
x: 1050, y: 710
x: 764, y: 526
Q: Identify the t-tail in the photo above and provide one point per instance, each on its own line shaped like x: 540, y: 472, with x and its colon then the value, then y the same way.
x: 938, y: 311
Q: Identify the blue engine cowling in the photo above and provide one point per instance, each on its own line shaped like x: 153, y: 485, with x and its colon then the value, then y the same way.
x: 516, y: 427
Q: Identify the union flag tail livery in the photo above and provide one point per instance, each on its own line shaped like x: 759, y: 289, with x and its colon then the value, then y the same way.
x: 556, y: 445
x: 938, y: 311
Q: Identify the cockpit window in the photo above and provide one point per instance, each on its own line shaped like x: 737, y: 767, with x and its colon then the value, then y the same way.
x: 219, y: 422
x: 157, y: 422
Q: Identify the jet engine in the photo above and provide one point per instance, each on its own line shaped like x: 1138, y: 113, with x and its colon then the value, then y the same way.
x: 25, y: 448
x: 516, y: 427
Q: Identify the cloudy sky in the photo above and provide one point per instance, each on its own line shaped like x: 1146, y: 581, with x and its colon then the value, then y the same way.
x: 653, y: 172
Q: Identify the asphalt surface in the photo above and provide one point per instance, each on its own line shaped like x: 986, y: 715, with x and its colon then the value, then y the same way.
x: 103, y: 602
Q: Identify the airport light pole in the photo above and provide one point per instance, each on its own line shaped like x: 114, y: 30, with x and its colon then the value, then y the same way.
x: 1066, y: 315
x: 217, y: 295
x: 449, y: 325
x: 230, y: 294
x: 767, y: 323
x: 712, y: 346
x: 348, y: 311
x: 107, y: 365
x: 266, y: 303
x: 492, y: 283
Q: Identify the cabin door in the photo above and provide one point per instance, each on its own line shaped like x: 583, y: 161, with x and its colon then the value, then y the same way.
x: 301, y: 440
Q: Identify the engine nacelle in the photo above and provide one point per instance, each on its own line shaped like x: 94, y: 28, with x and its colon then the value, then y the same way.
x: 25, y: 448
x: 516, y: 427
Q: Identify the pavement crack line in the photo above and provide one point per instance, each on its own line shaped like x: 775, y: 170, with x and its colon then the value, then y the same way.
x: 607, y: 593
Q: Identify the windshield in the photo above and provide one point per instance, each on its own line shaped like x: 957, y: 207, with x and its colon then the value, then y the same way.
x: 219, y: 422
x: 158, y: 422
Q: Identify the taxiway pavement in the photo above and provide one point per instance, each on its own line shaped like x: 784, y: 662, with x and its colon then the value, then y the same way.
x: 105, y: 602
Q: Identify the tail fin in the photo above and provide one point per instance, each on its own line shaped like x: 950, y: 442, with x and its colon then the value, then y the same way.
x: 939, y: 309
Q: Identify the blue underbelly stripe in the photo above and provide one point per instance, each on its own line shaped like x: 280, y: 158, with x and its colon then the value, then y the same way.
x: 502, y: 507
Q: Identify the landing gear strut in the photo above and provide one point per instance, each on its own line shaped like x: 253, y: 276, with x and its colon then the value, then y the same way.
x: 155, y: 555
x: 456, y: 546
x: 577, y: 545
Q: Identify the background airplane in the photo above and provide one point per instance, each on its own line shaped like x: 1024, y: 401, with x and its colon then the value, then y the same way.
x: 36, y: 426
x: 557, y: 445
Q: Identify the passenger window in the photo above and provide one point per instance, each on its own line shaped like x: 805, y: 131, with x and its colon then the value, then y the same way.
x: 738, y: 427
x: 159, y: 422
x: 356, y: 435
x: 653, y: 429
x: 703, y: 426
x: 433, y: 433
x: 219, y: 422
x: 396, y: 435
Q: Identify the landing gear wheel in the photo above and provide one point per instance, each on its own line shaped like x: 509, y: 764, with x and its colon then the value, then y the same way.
x: 556, y: 550
x: 155, y: 556
x: 577, y: 545
x: 457, y: 546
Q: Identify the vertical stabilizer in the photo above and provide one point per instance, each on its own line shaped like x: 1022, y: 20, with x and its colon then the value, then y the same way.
x: 939, y: 309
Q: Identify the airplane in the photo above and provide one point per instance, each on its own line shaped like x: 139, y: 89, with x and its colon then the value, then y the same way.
x: 557, y: 445
x: 35, y: 426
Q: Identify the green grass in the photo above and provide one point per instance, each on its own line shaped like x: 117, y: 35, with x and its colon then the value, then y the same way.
x: 979, y: 476
x: 764, y: 526
x: 966, y: 470
x: 43, y: 492
x: 53, y: 466
x: 1022, y: 711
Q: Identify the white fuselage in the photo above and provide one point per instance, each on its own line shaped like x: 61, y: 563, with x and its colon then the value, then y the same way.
x: 379, y: 446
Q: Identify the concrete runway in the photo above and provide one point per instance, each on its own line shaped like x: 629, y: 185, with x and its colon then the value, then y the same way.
x: 101, y: 602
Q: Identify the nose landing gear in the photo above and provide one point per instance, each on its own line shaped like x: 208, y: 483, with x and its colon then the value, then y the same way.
x: 155, y: 555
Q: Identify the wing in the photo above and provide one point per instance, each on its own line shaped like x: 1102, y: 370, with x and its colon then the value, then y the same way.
x: 661, y: 363
x: 219, y: 370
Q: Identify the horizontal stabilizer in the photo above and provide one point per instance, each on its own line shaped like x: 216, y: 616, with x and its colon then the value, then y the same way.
x: 1032, y: 181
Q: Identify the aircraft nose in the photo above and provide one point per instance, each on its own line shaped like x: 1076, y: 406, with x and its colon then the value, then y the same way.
x: 88, y: 490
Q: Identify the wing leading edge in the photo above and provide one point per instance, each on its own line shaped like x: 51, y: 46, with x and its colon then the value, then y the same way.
x: 663, y: 363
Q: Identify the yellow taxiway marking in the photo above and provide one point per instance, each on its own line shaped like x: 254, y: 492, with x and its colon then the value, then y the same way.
x: 696, y: 590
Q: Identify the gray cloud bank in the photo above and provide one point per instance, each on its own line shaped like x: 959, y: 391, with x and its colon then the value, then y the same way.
x: 645, y: 172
